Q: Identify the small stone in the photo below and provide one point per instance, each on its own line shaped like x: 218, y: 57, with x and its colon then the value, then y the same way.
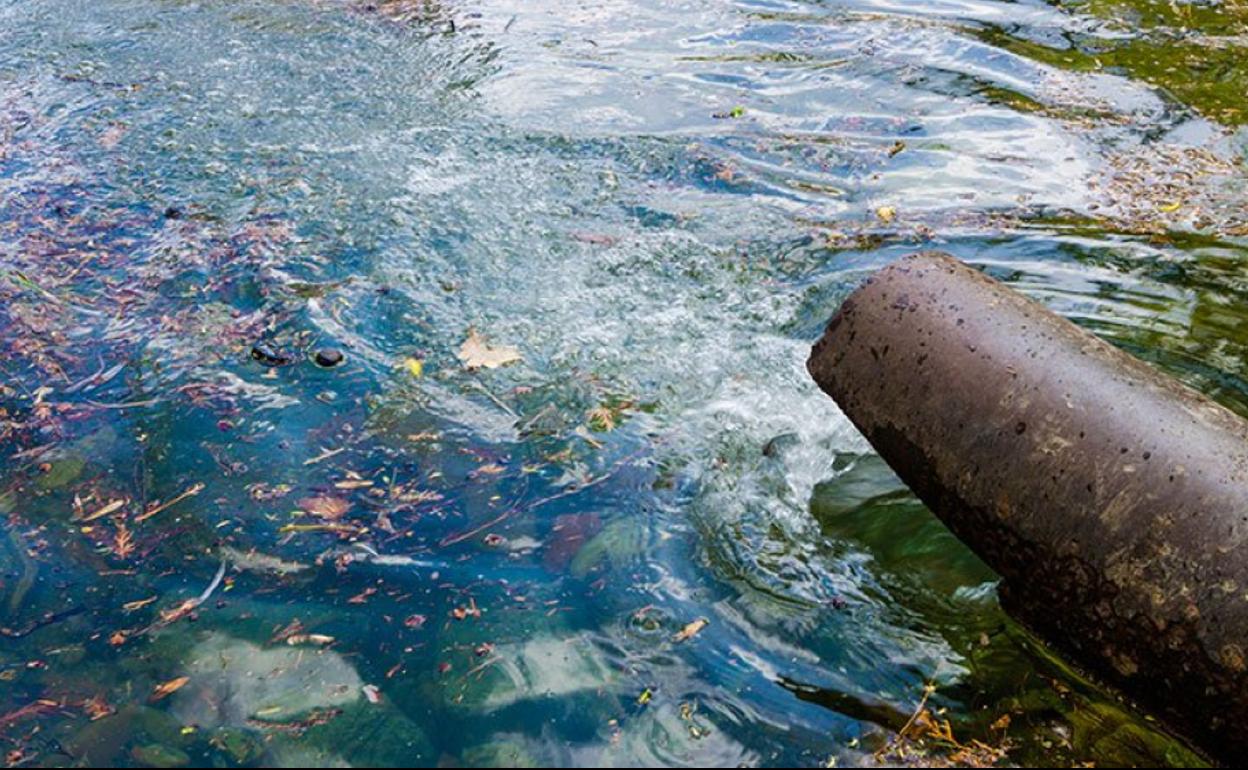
x: 329, y: 357
x: 269, y: 355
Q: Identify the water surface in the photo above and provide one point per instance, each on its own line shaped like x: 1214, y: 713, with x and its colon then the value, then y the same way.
x: 657, y: 206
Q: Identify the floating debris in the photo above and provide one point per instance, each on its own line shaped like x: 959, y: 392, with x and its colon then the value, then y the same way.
x: 269, y: 355
x: 477, y: 353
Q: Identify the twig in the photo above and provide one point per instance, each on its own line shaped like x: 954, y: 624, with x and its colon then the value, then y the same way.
x: 194, y: 490
x: 31, y: 709
x: 190, y: 605
x: 325, y: 455
x: 44, y: 622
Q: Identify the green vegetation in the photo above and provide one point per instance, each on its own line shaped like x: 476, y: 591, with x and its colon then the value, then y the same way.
x: 1194, y: 53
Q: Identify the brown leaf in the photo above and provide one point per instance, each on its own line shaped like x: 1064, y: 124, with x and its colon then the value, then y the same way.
x: 169, y: 688
x: 489, y: 469
x: 97, y: 708
x: 691, y: 630
x: 476, y: 353
x: 293, y: 628
x: 327, y: 508
x: 123, y: 542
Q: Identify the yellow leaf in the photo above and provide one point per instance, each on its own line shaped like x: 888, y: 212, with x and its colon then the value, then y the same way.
x: 886, y: 214
x: 476, y: 353
x: 414, y: 367
x: 1170, y: 208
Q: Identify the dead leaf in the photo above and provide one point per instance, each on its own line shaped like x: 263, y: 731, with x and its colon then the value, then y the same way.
x: 886, y: 214
x: 691, y: 630
x: 169, y: 688
x: 601, y: 419
x: 471, y: 611
x: 97, y: 708
x: 476, y: 353
x: 264, y: 492
x: 294, y: 627
x: 123, y: 542
x: 327, y: 508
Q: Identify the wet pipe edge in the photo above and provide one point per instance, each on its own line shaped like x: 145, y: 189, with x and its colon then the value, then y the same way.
x: 1111, y: 499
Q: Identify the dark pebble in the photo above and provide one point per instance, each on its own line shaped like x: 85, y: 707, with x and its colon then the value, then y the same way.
x: 329, y: 357
x: 173, y: 213
x: 269, y: 355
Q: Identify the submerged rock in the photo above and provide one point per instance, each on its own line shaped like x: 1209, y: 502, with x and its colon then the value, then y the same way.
x: 621, y: 543
x: 60, y: 472
x: 293, y: 707
x: 157, y: 755
x: 239, y: 684
x: 100, y: 743
x: 543, y: 667
x: 569, y: 534
x: 500, y: 753
x: 371, y: 735
x: 242, y: 747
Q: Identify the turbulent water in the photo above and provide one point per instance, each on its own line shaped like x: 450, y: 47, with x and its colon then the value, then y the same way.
x: 643, y: 537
